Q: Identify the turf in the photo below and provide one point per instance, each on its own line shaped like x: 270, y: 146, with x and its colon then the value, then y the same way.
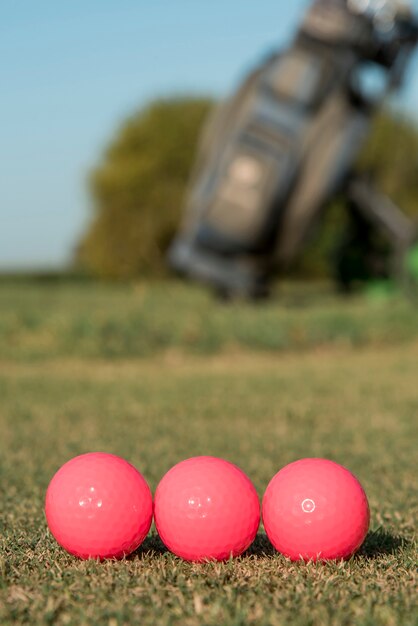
x: 99, y: 321
x: 260, y: 405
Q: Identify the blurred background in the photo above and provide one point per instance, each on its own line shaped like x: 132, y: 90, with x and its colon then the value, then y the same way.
x: 102, y: 107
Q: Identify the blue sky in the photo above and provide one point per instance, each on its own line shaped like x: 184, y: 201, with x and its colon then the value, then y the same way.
x: 71, y: 71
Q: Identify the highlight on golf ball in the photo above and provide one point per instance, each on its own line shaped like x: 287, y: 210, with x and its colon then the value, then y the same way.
x: 98, y: 506
x: 315, y: 509
x: 206, y: 508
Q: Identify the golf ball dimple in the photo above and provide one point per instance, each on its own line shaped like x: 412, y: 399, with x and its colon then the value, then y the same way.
x: 315, y: 509
x: 98, y: 505
x: 206, y: 508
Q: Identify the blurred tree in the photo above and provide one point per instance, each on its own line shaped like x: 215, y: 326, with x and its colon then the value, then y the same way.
x: 390, y: 156
x: 138, y: 189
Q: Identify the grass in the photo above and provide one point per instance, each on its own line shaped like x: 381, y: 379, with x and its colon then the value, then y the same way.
x: 344, y: 388
x: 41, y: 321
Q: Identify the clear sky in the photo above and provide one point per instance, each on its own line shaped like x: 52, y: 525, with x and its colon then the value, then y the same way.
x: 71, y: 71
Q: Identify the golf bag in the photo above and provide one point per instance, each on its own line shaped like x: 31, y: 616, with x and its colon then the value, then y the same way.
x: 284, y: 144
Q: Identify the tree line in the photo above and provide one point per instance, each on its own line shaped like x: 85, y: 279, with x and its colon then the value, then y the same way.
x: 138, y: 186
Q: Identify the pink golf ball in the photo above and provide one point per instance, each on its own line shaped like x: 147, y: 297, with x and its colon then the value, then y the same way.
x: 206, y: 508
x: 315, y: 509
x: 98, y: 506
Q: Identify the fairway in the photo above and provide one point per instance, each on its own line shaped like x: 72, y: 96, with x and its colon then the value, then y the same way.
x: 341, y: 383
